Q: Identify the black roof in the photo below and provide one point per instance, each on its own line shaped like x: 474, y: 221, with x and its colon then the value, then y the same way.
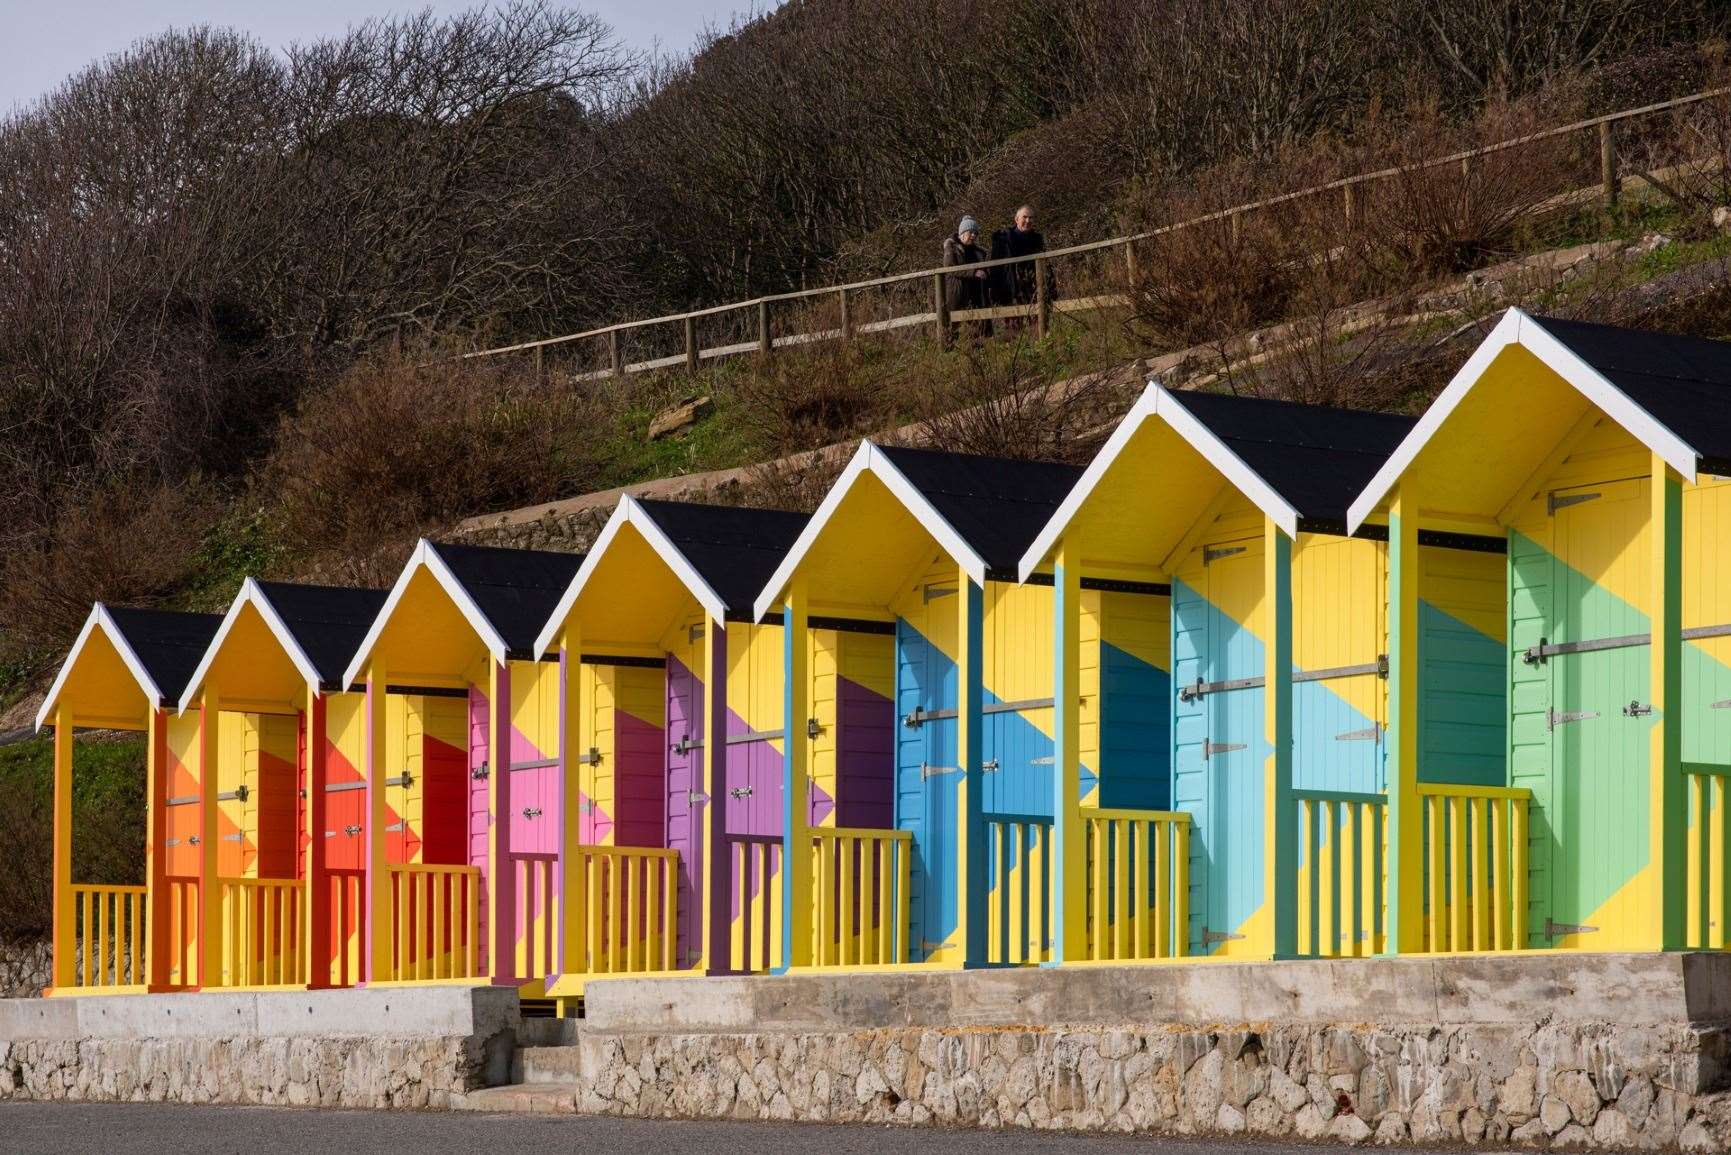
x: 328, y: 622
x: 733, y: 548
x: 1316, y: 457
x: 517, y: 589
x: 168, y: 643
x: 998, y: 505
x: 1684, y: 382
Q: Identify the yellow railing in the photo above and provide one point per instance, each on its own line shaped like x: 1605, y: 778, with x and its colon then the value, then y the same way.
x: 754, y: 862
x: 1475, y: 867
x: 111, y: 935
x: 1341, y: 875
x: 261, y: 932
x: 1138, y: 880
x: 1019, y: 904
x: 345, y: 901
x: 1708, y: 813
x: 182, y: 915
x: 861, y: 882
x: 435, y: 921
x: 624, y: 911
x: 537, y: 914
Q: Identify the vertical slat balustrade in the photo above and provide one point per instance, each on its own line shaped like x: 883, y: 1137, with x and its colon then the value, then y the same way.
x: 1136, y: 900
x: 1475, y: 885
x: 110, y: 933
x: 623, y: 917
x: 1709, y: 820
x: 860, y: 896
x: 1342, y: 842
x: 435, y: 912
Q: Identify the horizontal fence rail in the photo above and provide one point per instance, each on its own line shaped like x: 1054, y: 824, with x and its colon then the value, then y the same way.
x: 754, y: 862
x: 1138, y: 879
x: 1475, y: 840
x: 261, y: 932
x: 111, y: 935
x: 624, y: 914
x: 1709, y: 825
x: 861, y: 880
x: 1343, y: 839
x: 1019, y: 906
x: 751, y: 326
x: 435, y: 921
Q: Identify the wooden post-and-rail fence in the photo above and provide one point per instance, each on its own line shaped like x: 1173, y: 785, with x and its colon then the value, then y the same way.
x: 1042, y: 309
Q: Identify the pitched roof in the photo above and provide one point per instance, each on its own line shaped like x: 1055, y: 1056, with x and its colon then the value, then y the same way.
x: 732, y: 548
x: 168, y: 643
x: 327, y: 621
x: 514, y: 588
x: 998, y: 505
x: 1316, y: 457
x: 1683, y: 382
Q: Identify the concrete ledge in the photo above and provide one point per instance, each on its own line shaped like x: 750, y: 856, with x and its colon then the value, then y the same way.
x: 1631, y: 989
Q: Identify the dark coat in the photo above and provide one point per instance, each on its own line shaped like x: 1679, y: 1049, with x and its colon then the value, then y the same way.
x: 1014, y: 284
x: 963, y: 290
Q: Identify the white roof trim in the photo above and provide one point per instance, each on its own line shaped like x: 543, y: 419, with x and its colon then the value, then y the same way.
x: 1090, y: 480
x: 868, y: 458
x: 426, y: 555
x: 252, y: 593
x: 1245, y: 479
x: 630, y: 511
x: 99, y: 619
x: 1517, y: 328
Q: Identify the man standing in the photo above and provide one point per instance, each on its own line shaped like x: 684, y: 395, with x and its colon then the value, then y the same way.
x: 1016, y: 282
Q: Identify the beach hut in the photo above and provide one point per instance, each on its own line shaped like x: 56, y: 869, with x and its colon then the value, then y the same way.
x: 283, y: 879
x: 1598, y: 455
x: 1279, y: 651
x: 927, y: 542
x: 125, y: 672
x: 464, y: 817
x: 681, y: 825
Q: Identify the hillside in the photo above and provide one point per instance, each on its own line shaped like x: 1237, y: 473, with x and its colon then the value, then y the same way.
x: 211, y: 254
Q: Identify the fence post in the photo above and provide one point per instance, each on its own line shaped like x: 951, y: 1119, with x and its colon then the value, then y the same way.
x: 846, y: 317
x: 1042, y: 299
x: 540, y: 367
x: 1349, y: 198
x: 1608, y: 163
x: 765, y: 343
x: 613, y: 359
x: 941, y: 310
x: 691, y: 344
x: 1131, y: 273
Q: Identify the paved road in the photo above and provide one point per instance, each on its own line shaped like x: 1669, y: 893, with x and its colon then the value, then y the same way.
x: 115, y: 1128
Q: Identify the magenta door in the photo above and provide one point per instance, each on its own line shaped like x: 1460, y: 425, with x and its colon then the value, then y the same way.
x: 684, y: 780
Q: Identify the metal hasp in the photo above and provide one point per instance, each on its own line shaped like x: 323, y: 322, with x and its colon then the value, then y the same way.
x: 592, y: 758
x: 1635, y: 709
x: 403, y: 779
x: 480, y: 771
x: 238, y: 794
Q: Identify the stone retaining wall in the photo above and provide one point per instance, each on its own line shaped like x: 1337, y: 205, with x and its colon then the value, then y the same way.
x: 1599, y: 1086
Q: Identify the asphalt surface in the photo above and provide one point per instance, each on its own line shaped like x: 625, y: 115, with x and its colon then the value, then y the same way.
x: 128, y: 1127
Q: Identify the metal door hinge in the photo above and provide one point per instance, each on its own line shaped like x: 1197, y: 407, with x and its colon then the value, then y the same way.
x: 932, y: 592
x: 928, y: 946
x: 238, y: 794
x: 739, y: 792
x: 587, y: 806
x: 1555, y: 718
x: 183, y: 800
x: 344, y: 787
x: 696, y: 798
x: 396, y: 828
x: 1555, y: 501
x: 176, y: 841
x: 536, y: 764
x: 234, y: 838
x: 1635, y: 709
x: 1212, y: 555
x: 1721, y: 704
x: 531, y: 812
x: 927, y: 770
x: 405, y: 779
x: 593, y: 758
x: 1368, y: 734
x: 1209, y: 749
x: 1559, y: 929
x: 1042, y: 760
x: 481, y: 771
x: 1213, y: 936
x: 989, y: 766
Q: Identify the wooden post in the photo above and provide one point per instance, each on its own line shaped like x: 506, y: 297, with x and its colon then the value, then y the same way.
x: 719, y: 885
x: 1235, y: 226
x: 1669, y: 809
x: 1042, y: 299
x: 502, y: 928
x: 1069, y: 860
x: 614, y: 360
x: 65, y: 906
x: 1349, y: 200
x: 1404, y: 926
x: 397, y: 341
x: 156, y: 898
x: 1608, y: 163
x: 570, y: 790
x: 846, y: 316
x: 941, y: 310
x: 1132, y: 275
x: 796, y: 889
x: 1280, y: 857
x: 379, y: 928
x: 209, y: 894
x: 691, y: 344
x: 765, y: 342
x: 540, y: 366
x: 316, y: 932
x: 972, y: 902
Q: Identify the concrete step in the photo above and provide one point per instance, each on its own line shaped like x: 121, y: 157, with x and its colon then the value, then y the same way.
x: 523, y: 1099
x: 546, y: 1064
